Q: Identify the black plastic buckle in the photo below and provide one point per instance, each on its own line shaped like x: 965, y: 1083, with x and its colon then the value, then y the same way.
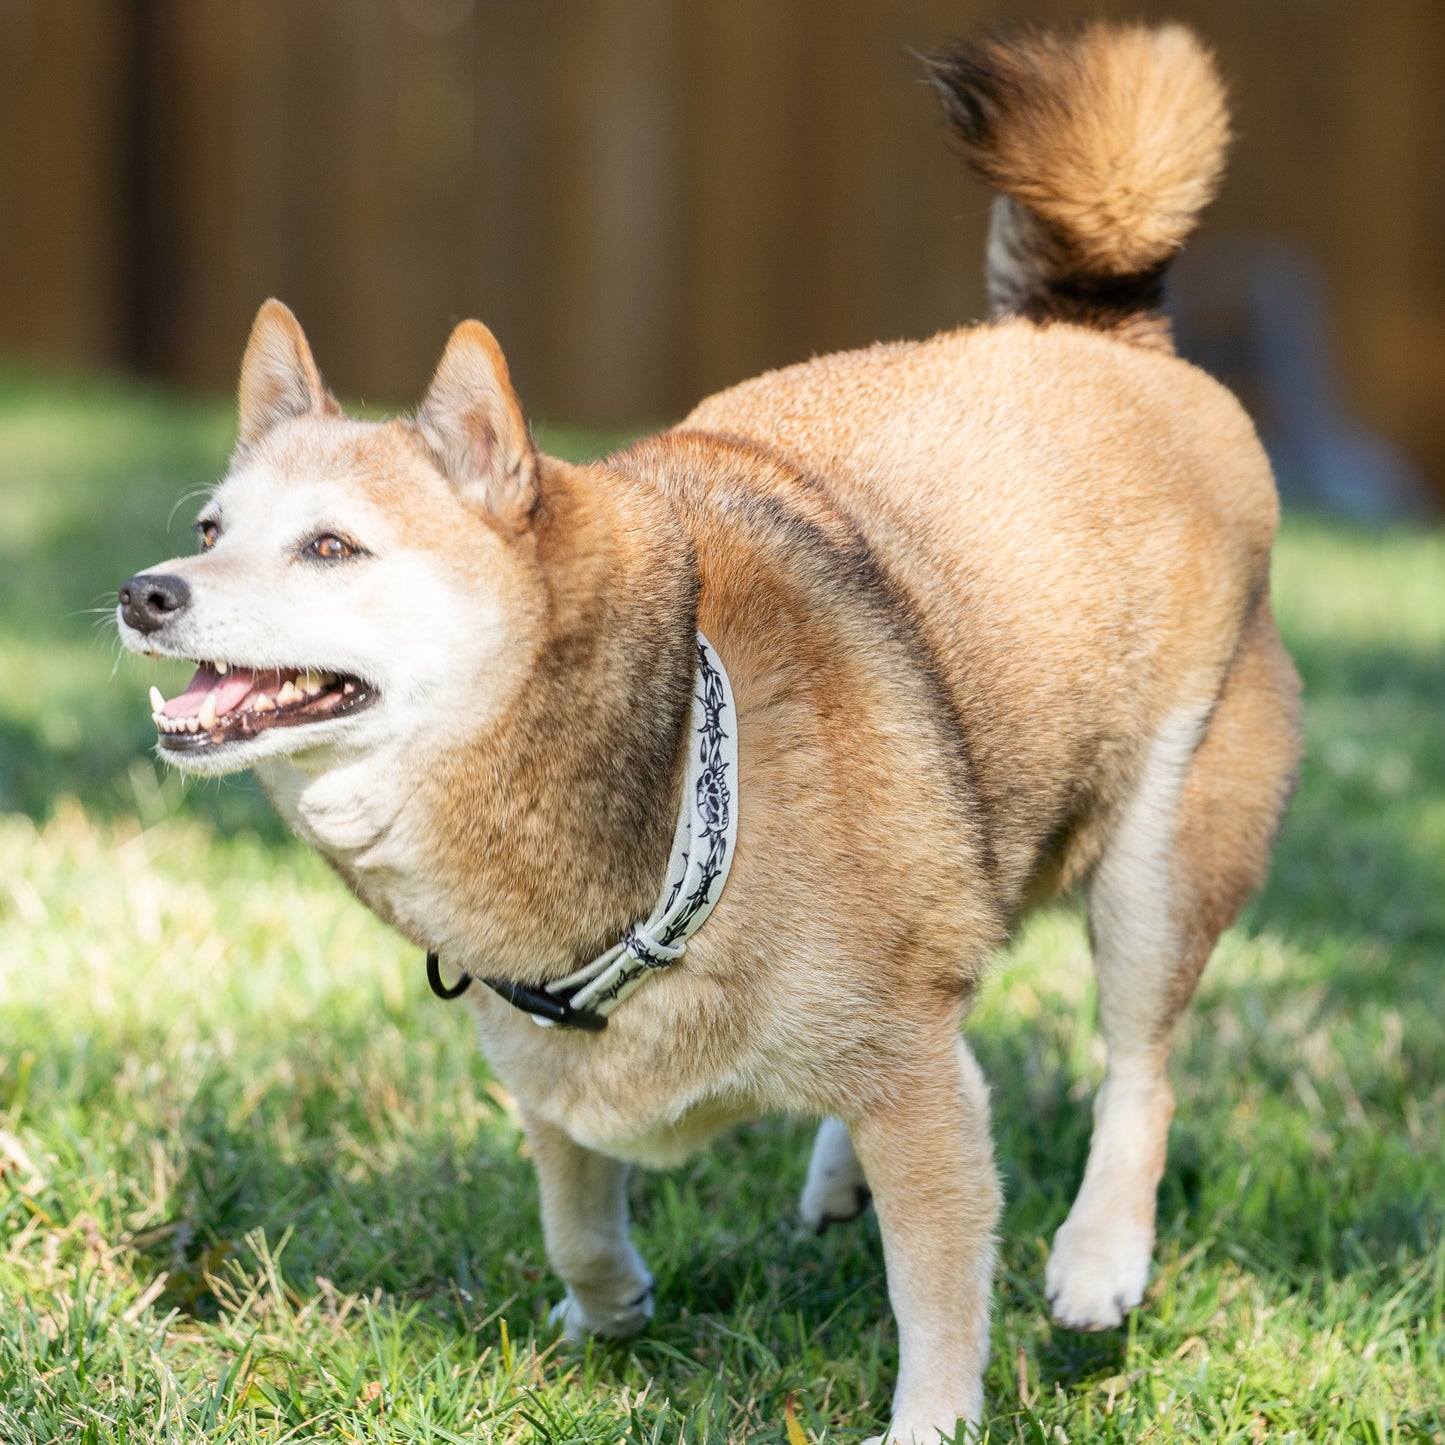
x: 548, y: 1006
x: 530, y: 1000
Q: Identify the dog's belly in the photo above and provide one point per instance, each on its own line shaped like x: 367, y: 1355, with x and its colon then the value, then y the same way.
x: 644, y: 1106
x: 663, y: 1145
x: 660, y: 1138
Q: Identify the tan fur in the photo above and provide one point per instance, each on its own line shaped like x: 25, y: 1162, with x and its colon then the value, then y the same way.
x: 473, y: 422
x: 279, y: 379
x: 995, y: 611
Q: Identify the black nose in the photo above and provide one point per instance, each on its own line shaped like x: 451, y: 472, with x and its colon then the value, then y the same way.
x: 148, y: 602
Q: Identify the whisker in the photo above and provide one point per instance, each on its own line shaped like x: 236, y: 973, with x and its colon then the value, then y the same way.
x: 183, y: 499
x: 111, y: 641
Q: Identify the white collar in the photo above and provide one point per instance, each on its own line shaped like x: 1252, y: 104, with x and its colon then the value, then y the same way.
x: 702, y: 854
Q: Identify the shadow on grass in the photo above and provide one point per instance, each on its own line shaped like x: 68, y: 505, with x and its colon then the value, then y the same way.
x: 452, y: 1227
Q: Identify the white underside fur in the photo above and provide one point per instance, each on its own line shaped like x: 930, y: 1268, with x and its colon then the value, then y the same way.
x: 1099, y: 1266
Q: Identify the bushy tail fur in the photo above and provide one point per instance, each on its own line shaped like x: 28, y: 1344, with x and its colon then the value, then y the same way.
x: 1106, y: 146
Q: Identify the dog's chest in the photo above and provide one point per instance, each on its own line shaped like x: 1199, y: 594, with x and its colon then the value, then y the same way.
x: 640, y: 1093
x: 641, y: 1099
x: 359, y: 820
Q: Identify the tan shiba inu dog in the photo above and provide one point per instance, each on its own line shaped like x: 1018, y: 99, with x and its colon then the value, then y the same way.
x: 995, y: 610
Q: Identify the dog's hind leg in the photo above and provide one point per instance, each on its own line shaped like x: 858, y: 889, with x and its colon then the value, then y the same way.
x: 1189, y: 847
x: 929, y: 1160
x: 835, y: 1190
x: 584, y: 1221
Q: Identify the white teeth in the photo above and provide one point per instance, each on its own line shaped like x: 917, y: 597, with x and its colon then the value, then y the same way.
x: 158, y: 701
x: 263, y: 704
x: 193, y: 725
x: 289, y: 693
x: 159, y: 719
x: 222, y: 667
x: 206, y: 718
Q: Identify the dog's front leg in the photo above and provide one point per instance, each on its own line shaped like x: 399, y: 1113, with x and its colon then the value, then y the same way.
x: 929, y: 1161
x: 584, y: 1221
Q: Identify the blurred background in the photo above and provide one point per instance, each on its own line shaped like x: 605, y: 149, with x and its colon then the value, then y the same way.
x: 649, y: 199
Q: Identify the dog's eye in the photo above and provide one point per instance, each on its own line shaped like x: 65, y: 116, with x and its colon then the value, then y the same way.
x: 330, y: 548
x: 210, y: 534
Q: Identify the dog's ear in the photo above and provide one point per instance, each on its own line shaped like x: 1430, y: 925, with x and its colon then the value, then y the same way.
x: 279, y: 379
x: 473, y: 423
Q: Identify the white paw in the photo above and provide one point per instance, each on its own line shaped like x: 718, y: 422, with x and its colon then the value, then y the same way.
x: 902, y: 1433
x: 835, y: 1190
x: 1097, y: 1270
x: 835, y: 1203
x: 578, y: 1320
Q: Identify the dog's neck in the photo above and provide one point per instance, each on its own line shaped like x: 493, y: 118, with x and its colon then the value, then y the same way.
x: 539, y: 839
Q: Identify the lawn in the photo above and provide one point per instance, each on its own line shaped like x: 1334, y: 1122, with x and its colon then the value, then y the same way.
x: 257, y: 1184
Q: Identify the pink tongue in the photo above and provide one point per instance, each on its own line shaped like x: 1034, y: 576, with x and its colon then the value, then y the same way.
x: 229, y: 690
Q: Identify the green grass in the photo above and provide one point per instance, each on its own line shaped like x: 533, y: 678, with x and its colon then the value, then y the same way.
x: 257, y: 1183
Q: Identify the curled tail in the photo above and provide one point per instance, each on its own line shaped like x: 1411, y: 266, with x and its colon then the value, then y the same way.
x: 1106, y: 146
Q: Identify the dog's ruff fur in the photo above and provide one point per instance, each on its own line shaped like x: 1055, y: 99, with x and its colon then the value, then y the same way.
x: 995, y: 608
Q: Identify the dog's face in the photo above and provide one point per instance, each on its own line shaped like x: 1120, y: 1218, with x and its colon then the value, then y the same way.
x: 359, y: 585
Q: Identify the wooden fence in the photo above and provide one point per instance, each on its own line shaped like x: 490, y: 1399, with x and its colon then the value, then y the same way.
x: 645, y: 199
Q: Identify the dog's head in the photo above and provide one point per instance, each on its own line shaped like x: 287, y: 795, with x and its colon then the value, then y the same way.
x: 357, y: 583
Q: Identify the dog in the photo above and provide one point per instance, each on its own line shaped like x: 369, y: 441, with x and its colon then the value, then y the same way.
x: 993, y: 609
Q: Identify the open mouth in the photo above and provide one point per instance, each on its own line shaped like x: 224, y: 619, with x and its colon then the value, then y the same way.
x: 226, y: 703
